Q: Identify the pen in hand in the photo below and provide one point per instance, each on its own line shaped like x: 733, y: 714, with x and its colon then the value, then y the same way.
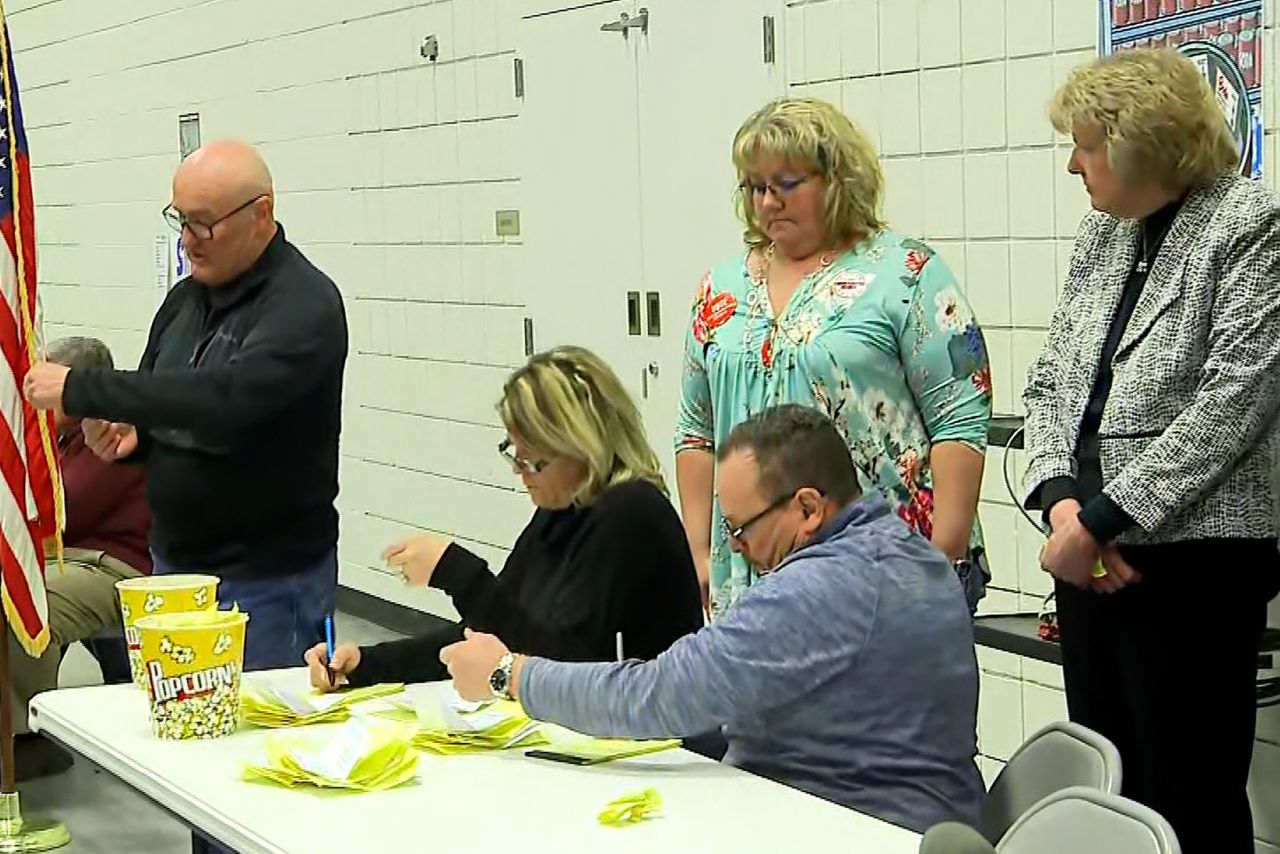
x: 329, y: 648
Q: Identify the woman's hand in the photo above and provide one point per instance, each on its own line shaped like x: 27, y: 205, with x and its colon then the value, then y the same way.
x: 417, y: 557
x: 329, y: 675
x: 702, y: 563
x: 1071, y: 553
x: 1119, y: 573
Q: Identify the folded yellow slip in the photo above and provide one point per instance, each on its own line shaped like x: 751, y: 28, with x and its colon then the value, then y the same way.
x: 354, y: 696
x: 511, y: 733
x: 355, y: 757
x: 267, y: 706
x: 631, y: 809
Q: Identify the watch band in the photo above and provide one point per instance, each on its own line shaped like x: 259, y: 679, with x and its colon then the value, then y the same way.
x: 500, y: 680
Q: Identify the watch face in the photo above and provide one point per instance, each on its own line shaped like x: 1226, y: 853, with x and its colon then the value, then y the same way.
x: 498, y: 681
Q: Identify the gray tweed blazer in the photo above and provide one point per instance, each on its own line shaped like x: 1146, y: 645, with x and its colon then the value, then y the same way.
x: 1189, y: 439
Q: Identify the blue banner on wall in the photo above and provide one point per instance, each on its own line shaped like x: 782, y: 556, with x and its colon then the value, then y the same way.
x: 1223, y: 38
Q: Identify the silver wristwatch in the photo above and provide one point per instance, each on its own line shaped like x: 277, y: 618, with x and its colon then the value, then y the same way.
x: 500, y: 679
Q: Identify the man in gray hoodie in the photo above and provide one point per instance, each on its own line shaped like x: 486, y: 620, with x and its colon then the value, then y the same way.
x: 847, y: 672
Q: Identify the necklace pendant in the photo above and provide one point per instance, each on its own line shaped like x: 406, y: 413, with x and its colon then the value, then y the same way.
x: 1142, y: 266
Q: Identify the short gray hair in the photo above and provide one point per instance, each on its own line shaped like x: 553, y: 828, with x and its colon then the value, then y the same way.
x: 81, y: 353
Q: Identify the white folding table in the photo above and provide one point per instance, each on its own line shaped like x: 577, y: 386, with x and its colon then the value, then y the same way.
x: 474, y: 802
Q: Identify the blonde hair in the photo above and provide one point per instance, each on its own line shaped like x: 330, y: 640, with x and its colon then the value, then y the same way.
x: 810, y: 131
x: 1157, y: 114
x: 568, y: 403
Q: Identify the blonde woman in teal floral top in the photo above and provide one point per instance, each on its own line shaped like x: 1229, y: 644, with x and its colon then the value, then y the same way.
x: 830, y: 308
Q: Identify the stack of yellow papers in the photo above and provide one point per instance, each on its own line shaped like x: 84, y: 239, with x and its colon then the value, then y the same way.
x: 355, y: 757
x: 448, y: 725
x: 272, y: 706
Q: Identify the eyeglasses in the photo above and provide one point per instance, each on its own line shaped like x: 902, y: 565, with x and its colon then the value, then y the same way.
x: 203, y: 230
x: 780, y: 187
x: 741, y: 531
x: 520, y: 464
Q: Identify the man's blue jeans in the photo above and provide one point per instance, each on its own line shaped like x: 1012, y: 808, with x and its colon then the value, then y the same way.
x: 286, y: 612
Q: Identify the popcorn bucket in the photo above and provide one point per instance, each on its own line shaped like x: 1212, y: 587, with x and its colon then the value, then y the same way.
x: 192, y: 664
x: 160, y: 594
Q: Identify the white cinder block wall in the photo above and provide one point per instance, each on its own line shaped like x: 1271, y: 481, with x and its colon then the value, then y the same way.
x: 390, y: 168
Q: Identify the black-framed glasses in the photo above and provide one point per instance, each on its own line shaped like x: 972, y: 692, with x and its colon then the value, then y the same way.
x: 204, y: 230
x: 741, y: 531
x: 780, y: 187
x: 508, y: 452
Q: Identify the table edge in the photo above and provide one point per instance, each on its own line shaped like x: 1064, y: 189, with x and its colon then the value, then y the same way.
x: 186, y: 810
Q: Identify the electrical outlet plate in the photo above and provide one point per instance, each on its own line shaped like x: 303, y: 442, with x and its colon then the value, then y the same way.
x: 507, y: 223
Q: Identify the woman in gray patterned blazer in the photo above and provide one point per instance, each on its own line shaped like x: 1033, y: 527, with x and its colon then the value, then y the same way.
x: 1152, y: 439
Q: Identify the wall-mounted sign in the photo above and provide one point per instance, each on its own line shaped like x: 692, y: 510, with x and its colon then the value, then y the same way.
x: 1224, y: 39
x: 188, y: 133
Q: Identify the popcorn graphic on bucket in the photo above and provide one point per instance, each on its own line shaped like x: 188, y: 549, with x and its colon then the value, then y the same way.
x: 160, y: 594
x: 192, y: 663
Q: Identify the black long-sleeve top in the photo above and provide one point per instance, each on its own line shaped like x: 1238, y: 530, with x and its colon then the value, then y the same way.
x: 575, y: 578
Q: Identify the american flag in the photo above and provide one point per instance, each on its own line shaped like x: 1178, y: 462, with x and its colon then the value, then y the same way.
x: 31, y: 497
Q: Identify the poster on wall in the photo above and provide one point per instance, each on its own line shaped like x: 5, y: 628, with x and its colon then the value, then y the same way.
x: 1223, y: 38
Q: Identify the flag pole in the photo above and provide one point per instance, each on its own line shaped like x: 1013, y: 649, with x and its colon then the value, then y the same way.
x: 8, y: 769
x: 16, y: 833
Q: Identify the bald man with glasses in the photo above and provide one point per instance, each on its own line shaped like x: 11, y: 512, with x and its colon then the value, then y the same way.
x: 235, y: 408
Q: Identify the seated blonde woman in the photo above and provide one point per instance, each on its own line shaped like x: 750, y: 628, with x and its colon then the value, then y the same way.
x: 604, y: 553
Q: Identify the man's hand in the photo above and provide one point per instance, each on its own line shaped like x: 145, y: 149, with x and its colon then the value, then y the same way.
x: 417, y: 558
x: 1119, y: 573
x: 1072, y: 552
x: 43, y: 384
x: 109, y: 440
x: 471, y: 662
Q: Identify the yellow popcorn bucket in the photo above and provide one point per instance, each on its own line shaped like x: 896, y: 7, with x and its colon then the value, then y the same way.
x: 160, y: 594
x: 192, y: 664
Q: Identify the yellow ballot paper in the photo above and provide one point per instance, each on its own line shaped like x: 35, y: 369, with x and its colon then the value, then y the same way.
x: 594, y: 751
x: 355, y: 757
x: 274, y: 706
x: 448, y: 725
x: 631, y: 809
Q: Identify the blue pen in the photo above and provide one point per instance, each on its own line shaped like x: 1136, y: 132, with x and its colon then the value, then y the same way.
x: 328, y: 639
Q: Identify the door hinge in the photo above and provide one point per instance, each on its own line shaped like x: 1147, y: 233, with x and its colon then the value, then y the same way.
x: 770, y: 40
x: 519, y: 77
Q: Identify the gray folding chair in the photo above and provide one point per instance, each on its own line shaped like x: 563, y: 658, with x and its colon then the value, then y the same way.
x: 951, y: 837
x: 1062, y: 754
x: 1082, y: 819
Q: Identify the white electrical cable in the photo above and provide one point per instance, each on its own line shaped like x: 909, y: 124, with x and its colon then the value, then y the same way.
x: 1045, y: 605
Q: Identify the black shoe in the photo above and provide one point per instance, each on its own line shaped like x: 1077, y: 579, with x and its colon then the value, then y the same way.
x: 36, y: 756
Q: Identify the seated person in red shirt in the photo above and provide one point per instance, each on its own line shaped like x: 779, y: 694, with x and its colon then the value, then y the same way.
x: 105, y: 540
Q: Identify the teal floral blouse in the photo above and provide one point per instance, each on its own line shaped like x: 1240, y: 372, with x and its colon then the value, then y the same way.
x: 881, y: 339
